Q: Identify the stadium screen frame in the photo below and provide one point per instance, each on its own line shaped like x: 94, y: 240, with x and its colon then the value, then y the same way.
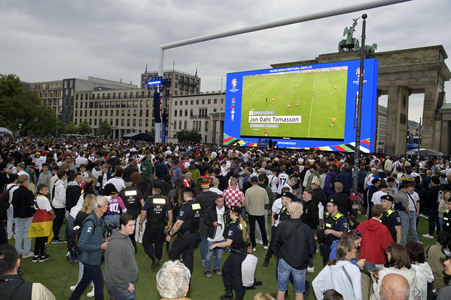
x: 344, y: 89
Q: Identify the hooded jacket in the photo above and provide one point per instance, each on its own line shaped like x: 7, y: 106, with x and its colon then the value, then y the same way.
x: 120, y: 262
x: 375, y: 239
x: 73, y: 192
x: 59, y: 196
x: 334, y: 277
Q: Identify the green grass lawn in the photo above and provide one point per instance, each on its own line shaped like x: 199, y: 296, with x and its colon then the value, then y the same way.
x: 54, y: 272
x: 292, y: 95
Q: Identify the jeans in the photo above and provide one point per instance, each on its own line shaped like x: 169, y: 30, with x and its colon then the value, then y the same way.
x: 10, y: 221
x: 217, y: 252
x: 117, y: 293
x: 433, y: 221
x: 22, y: 227
x: 283, y: 274
x: 90, y: 272
x: 80, y: 273
x: 111, y: 219
x: 58, y: 221
x: 203, y: 247
x: 407, y: 223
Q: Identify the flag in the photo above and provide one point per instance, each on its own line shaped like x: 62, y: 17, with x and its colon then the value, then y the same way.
x: 42, y: 225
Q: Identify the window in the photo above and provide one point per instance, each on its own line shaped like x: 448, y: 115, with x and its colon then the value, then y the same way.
x: 175, y: 113
x: 186, y: 113
x: 186, y: 102
x: 197, y: 102
x: 215, y: 101
x: 175, y: 103
x: 203, y: 101
x: 222, y: 100
x: 192, y: 102
x: 209, y: 101
x: 175, y: 125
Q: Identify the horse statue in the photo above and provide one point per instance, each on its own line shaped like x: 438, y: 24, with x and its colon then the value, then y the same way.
x: 371, y: 49
x: 350, y: 43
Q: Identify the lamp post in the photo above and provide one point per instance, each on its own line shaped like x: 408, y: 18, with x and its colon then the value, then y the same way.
x: 419, y: 139
x: 359, y: 110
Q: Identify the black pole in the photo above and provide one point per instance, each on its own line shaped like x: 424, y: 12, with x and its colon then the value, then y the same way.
x: 359, y: 111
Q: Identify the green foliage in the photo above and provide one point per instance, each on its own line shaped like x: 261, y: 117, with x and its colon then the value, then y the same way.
x: 105, y: 129
x: 23, y: 111
x: 84, y: 128
x: 189, y: 136
x: 71, y: 128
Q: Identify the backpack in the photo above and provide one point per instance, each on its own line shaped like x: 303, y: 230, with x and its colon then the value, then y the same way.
x: 72, y: 242
x: 4, y: 197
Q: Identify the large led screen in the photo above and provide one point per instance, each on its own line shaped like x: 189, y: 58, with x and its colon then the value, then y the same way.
x: 303, y: 107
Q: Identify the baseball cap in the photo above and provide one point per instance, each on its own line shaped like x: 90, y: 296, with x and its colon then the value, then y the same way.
x: 316, y: 181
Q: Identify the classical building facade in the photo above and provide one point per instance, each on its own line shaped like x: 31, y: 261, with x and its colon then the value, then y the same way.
x: 198, y: 112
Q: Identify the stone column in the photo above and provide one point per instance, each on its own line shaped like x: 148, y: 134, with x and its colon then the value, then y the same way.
x: 445, y: 137
x: 214, y: 141
x: 221, y: 131
x: 430, y: 136
x: 397, y: 116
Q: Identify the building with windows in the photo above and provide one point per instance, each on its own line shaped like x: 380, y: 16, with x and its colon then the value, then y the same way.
x: 181, y: 83
x: 58, y: 95
x: 201, y: 112
x: 381, y: 124
x: 126, y: 111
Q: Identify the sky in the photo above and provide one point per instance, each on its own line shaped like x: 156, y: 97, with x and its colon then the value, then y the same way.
x: 50, y: 40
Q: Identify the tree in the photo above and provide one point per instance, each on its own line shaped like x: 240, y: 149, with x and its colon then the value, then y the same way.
x: 71, y: 128
x: 23, y: 111
x: 84, y: 128
x: 105, y: 129
x: 189, y: 136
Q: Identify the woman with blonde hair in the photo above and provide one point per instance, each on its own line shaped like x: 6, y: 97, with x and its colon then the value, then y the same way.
x: 263, y: 296
x: 236, y: 240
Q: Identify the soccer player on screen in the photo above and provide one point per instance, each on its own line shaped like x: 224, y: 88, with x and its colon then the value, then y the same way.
x: 313, y: 93
x: 288, y: 106
x: 272, y: 100
x: 297, y: 102
x: 335, y: 88
x: 285, y: 93
x: 266, y: 100
x: 265, y: 133
x: 332, y: 120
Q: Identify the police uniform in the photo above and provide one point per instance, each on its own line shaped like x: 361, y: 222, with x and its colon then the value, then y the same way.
x: 447, y: 220
x: 131, y: 196
x: 391, y: 219
x: 231, y: 270
x: 186, y: 239
x: 337, y: 222
x: 156, y: 207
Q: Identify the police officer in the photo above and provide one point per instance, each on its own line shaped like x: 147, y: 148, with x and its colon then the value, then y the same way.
x: 134, y: 201
x: 236, y: 236
x: 187, y: 228
x: 391, y: 218
x: 334, y: 225
x: 283, y: 215
x: 155, y: 209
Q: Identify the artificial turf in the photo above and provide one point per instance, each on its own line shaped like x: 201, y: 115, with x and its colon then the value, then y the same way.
x: 57, y: 274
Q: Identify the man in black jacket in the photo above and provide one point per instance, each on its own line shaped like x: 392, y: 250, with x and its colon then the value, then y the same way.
x: 12, y: 286
x: 216, y: 218
x: 431, y: 201
x: 293, y: 243
x: 310, y: 217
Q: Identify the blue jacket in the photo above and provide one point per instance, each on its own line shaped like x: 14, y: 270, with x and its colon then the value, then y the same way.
x: 91, y: 239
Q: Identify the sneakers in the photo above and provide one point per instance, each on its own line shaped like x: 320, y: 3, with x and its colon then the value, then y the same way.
x: 58, y: 241
x: 155, y: 263
x: 208, y: 274
x: 29, y: 254
x: 259, y: 241
x: 72, y: 288
x: 43, y: 258
x: 311, y: 270
x: 91, y: 293
x: 217, y: 272
x: 254, y: 249
x: 266, y: 262
x: 35, y: 258
x: 266, y: 247
x: 428, y: 236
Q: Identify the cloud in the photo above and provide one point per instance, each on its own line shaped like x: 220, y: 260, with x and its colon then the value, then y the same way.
x: 49, y: 40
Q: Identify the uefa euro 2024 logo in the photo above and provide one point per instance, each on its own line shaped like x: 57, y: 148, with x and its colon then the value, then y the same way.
x: 357, y: 72
x: 234, y: 84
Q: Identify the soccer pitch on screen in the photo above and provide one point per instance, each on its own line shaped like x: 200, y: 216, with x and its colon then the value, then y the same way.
x: 308, y: 104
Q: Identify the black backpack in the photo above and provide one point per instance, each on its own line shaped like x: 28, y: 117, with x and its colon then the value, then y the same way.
x: 72, y: 242
x: 332, y: 182
x: 4, y: 198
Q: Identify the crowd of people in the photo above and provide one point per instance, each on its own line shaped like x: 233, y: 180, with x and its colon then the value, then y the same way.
x: 115, y: 194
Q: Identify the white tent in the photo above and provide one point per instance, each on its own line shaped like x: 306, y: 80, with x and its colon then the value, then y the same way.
x: 4, y: 130
x: 424, y: 151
